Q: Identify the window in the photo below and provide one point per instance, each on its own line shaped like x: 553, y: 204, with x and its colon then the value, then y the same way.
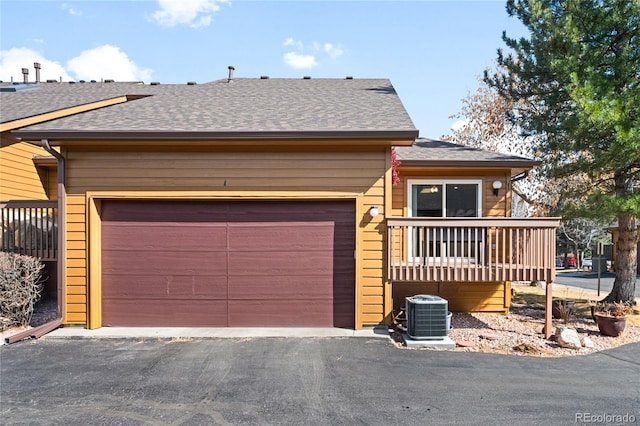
x: 444, y: 199
x: 431, y: 198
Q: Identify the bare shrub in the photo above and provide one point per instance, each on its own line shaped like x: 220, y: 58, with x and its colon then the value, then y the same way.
x: 21, y: 285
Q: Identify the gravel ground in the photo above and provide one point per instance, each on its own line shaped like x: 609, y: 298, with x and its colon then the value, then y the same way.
x: 520, y: 333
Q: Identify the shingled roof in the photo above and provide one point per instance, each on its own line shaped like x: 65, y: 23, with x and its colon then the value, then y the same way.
x: 241, y: 108
x: 429, y: 152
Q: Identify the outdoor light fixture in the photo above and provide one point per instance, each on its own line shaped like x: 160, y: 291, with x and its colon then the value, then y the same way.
x: 373, y: 211
x: 496, y: 187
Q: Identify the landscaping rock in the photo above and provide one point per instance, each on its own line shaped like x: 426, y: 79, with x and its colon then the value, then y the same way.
x: 568, y: 338
x: 588, y: 343
x: 489, y: 336
x: 465, y: 344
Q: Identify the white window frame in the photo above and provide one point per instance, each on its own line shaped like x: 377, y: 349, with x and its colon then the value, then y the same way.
x: 444, y: 183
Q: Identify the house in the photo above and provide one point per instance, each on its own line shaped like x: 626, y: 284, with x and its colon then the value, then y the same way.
x: 258, y: 202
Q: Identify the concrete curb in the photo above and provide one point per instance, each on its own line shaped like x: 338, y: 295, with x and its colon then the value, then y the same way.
x: 219, y: 333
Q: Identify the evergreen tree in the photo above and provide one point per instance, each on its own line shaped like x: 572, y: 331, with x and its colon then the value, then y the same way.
x: 575, y: 82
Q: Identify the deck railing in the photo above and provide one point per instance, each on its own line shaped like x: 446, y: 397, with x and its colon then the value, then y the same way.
x: 471, y: 249
x: 29, y: 227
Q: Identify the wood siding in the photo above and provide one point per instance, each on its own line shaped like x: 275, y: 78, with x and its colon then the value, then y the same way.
x: 218, y: 173
x: 492, y: 206
x: 462, y: 297
x: 19, y: 177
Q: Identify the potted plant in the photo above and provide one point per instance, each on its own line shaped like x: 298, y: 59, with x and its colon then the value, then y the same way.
x: 611, y: 317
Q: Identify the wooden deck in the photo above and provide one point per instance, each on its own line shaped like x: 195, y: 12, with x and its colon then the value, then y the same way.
x: 471, y: 250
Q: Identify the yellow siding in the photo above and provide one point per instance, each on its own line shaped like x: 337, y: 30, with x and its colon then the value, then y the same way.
x: 215, y: 173
x: 76, y: 268
x: 492, y: 206
x: 19, y: 177
x: 462, y: 297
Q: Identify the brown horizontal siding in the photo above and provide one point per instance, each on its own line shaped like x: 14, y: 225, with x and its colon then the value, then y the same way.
x: 352, y: 170
x: 462, y: 297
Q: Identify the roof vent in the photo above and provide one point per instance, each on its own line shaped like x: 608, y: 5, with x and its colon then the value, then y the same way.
x: 155, y: 83
x: 72, y: 82
x: 52, y: 81
x: 81, y: 81
x: 349, y: 77
x: 231, y: 70
x: 306, y: 77
x: 36, y: 65
x: 191, y: 83
x: 93, y: 81
x: 264, y: 77
x: 109, y: 81
x: 25, y: 75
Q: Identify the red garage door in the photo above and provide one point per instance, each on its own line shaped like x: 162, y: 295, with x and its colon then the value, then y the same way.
x: 231, y: 263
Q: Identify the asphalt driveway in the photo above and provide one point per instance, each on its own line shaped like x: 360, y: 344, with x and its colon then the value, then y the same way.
x: 313, y: 381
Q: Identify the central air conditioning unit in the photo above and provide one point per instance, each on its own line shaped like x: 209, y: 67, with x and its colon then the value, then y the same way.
x: 428, y: 317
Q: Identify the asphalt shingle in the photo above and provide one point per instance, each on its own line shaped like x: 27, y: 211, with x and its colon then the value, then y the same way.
x: 428, y: 151
x: 242, y: 105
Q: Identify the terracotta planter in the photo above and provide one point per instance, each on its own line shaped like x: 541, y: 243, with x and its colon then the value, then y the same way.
x: 610, y: 326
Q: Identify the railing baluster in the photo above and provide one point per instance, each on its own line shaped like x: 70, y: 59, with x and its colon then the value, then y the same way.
x: 419, y: 249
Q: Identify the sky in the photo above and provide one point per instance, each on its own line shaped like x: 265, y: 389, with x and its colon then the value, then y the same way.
x: 432, y: 51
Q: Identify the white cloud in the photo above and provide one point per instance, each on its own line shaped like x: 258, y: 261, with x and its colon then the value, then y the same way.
x: 291, y: 42
x: 298, y: 61
x: 13, y: 60
x: 304, y: 59
x: 194, y: 13
x: 71, y: 10
x: 333, y: 51
x: 107, y: 62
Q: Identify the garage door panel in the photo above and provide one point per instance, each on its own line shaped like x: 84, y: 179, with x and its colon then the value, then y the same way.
x: 148, y: 211
x: 280, y: 313
x: 274, y: 237
x: 146, y: 286
x: 186, y: 237
x: 161, y: 263
x: 284, y: 287
x: 166, y: 313
x: 280, y: 263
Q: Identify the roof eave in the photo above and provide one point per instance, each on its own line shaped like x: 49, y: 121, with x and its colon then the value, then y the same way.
x: 398, y: 136
x: 527, y: 164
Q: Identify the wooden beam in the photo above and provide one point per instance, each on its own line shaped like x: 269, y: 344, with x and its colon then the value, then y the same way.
x: 547, y: 309
x: 40, y: 118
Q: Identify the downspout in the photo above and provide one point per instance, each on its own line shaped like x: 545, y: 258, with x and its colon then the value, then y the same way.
x: 43, y: 329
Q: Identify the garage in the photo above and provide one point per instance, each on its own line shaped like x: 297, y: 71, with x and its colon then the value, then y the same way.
x: 228, y: 263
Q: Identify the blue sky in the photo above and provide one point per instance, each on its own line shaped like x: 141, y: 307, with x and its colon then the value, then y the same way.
x: 432, y: 51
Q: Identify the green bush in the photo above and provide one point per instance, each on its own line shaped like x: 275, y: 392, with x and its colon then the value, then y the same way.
x: 20, y: 288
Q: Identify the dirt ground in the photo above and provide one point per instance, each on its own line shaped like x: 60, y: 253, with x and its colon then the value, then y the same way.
x: 520, y: 331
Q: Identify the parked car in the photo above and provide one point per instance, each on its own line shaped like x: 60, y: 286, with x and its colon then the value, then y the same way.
x: 559, y: 264
x: 570, y: 262
x: 587, y: 262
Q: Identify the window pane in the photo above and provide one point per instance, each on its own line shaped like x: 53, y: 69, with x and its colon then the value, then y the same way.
x: 462, y: 200
x: 427, y: 201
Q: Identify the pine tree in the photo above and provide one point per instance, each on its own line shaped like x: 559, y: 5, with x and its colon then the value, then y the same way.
x: 576, y: 80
